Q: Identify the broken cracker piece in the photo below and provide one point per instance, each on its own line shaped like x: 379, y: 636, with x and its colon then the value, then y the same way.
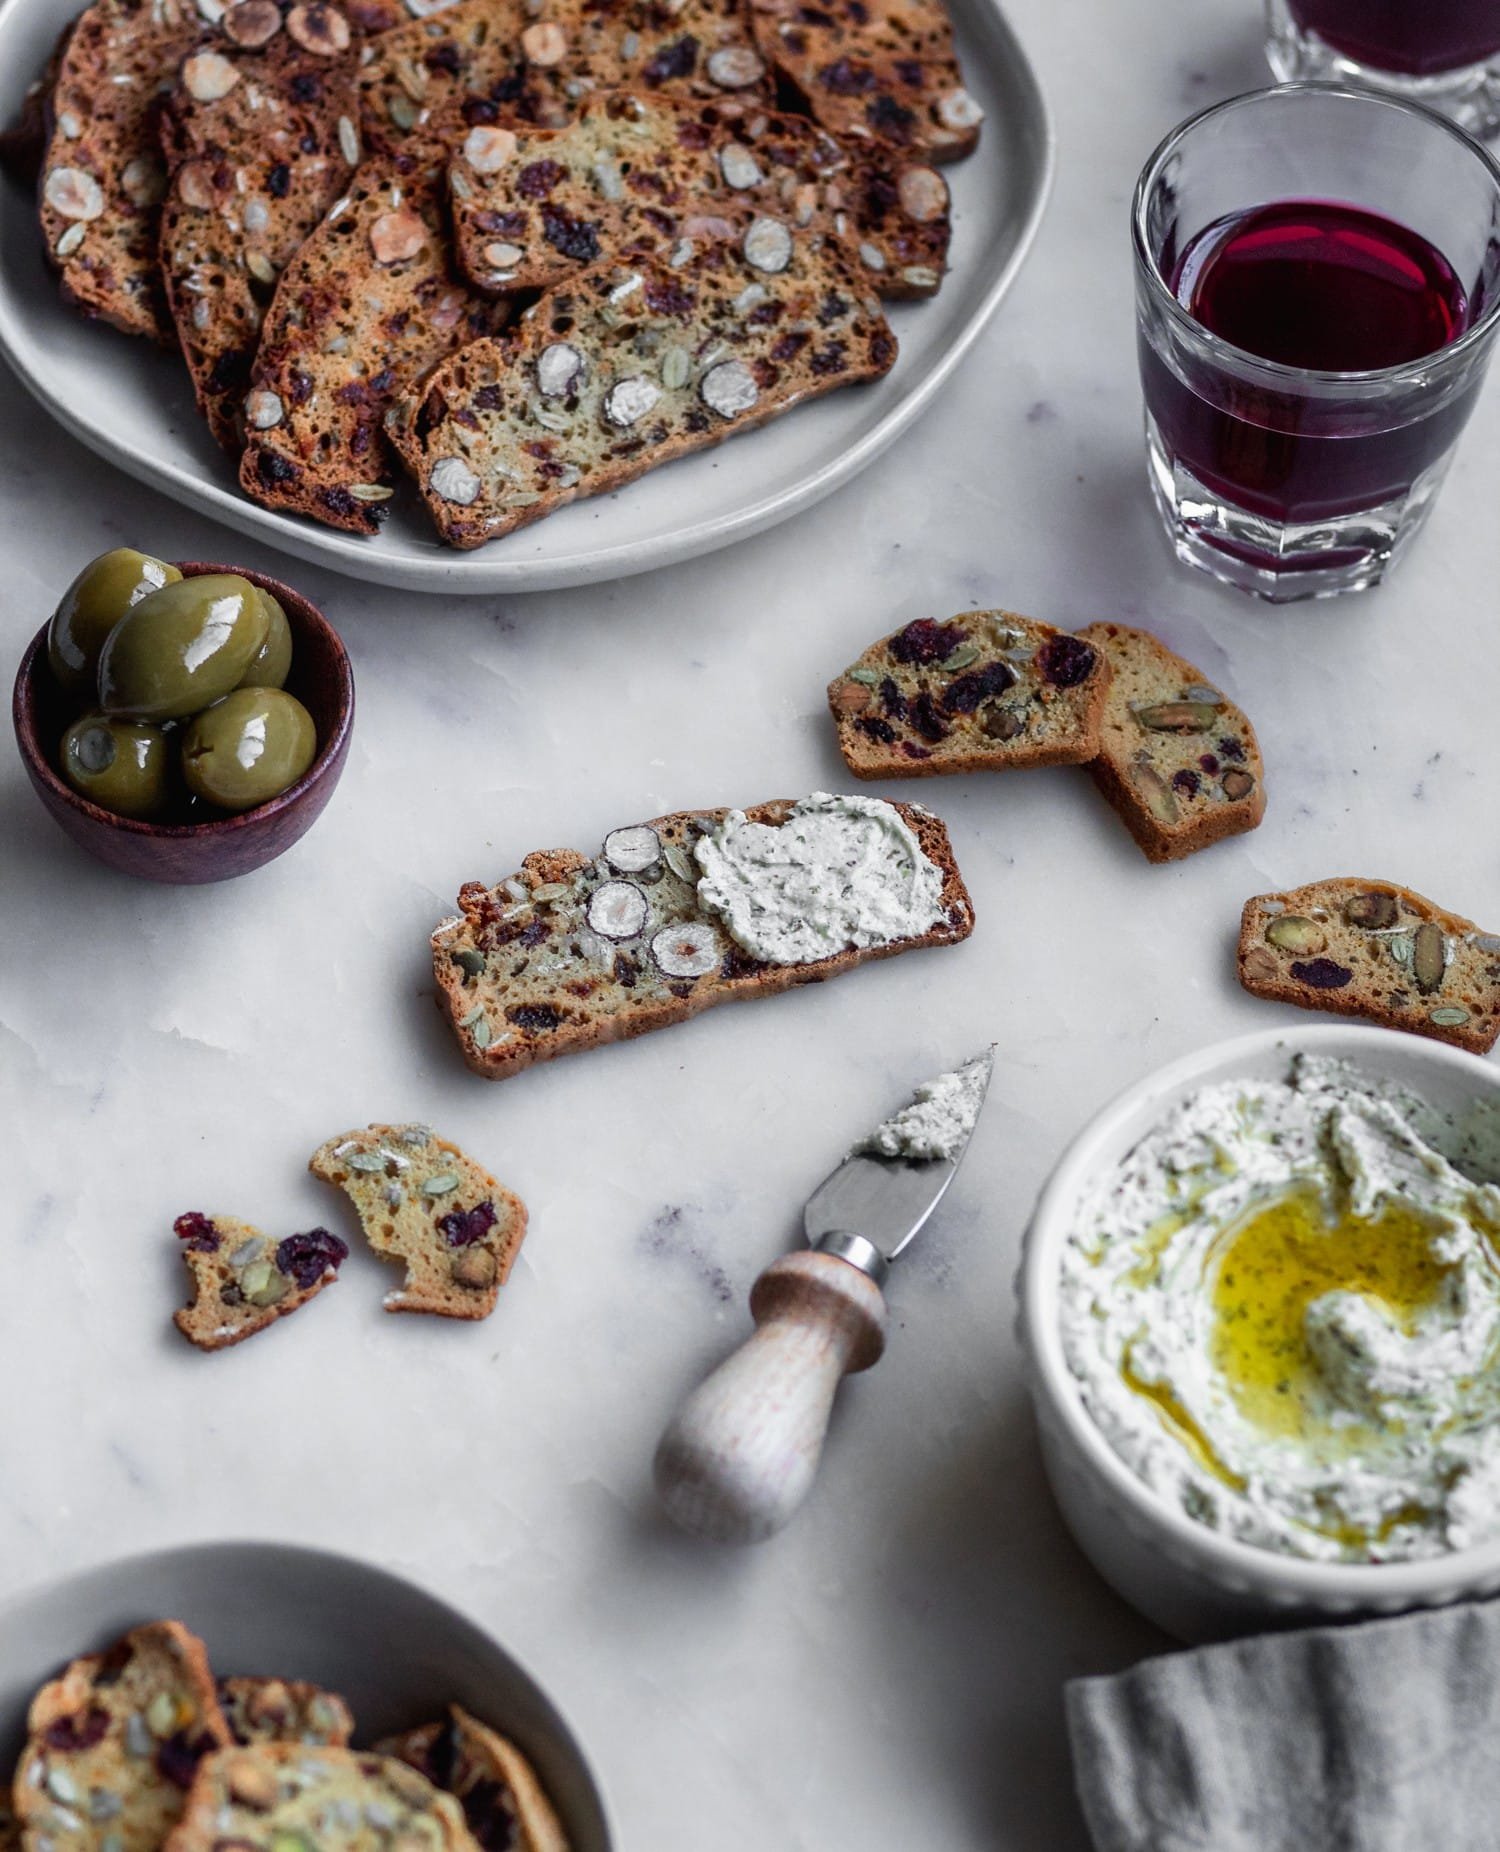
x: 1376, y: 950
x: 421, y: 1201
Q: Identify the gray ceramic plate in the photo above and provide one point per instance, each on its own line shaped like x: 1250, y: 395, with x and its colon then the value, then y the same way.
x: 398, y: 1655
x: 133, y: 405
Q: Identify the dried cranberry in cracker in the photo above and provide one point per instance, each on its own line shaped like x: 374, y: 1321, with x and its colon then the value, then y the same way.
x: 965, y: 692
x: 1322, y: 973
x: 922, y: 716
x: 80, y: 1731
x: 926, y: 641
x: 461, y: 1227
x: 308, y: 1257
x: 197, y: 1231
x: 1066, y: 661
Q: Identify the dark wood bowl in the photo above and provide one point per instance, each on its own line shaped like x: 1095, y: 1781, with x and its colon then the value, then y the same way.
x: 187, y: 853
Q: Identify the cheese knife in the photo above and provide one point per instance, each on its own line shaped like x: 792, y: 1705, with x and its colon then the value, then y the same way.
x: 739, y: 1456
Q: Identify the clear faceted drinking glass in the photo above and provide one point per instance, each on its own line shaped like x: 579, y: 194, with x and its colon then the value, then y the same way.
x: 1444, y: 53
x: 1286, y: 481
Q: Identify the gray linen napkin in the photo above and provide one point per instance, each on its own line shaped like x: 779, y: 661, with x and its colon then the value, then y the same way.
x: 1382, y: 1737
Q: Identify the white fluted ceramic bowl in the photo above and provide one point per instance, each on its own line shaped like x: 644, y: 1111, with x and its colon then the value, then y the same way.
x: 1188, y: 1579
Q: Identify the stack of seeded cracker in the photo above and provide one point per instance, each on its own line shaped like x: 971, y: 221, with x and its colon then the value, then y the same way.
x: 522, y: 251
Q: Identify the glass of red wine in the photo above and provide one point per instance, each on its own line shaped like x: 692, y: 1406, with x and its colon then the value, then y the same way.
x: 1444, y: 53
x: 1317, y: 297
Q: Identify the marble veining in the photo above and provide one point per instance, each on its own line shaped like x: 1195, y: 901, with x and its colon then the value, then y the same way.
x: 888, y: 1673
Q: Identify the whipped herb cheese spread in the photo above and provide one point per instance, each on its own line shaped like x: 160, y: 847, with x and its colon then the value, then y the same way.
x: 939, y: 1120
x: 840, y: 872
x: 1283, y: 1309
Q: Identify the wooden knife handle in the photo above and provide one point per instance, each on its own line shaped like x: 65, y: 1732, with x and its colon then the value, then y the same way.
x: 739, y: 1456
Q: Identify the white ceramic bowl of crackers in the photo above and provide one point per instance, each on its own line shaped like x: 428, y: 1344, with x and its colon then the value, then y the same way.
x: 1190, y: 1576
x: 397, y: 1657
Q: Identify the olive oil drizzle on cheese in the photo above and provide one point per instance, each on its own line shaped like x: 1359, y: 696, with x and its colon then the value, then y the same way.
x: 1270, y: 1267
x: 1181, y: 1424
x: 1265, y: 1271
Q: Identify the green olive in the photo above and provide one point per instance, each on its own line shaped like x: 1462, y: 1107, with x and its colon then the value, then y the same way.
x: 274, y: 661
x: 248, y: 748
x: 91, y: 607
x: 182, y: 648
x: 121, y: 765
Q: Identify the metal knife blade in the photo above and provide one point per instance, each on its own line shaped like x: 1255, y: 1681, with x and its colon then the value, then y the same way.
x: 871, y: 1208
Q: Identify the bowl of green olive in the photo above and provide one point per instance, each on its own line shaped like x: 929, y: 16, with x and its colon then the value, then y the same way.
x: 184, y: 723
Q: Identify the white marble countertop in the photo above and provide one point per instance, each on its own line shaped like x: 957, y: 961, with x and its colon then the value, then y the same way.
x: 888, y: 1674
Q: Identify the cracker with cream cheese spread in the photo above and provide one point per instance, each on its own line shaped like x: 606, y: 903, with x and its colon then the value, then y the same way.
x: 574, y: 950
